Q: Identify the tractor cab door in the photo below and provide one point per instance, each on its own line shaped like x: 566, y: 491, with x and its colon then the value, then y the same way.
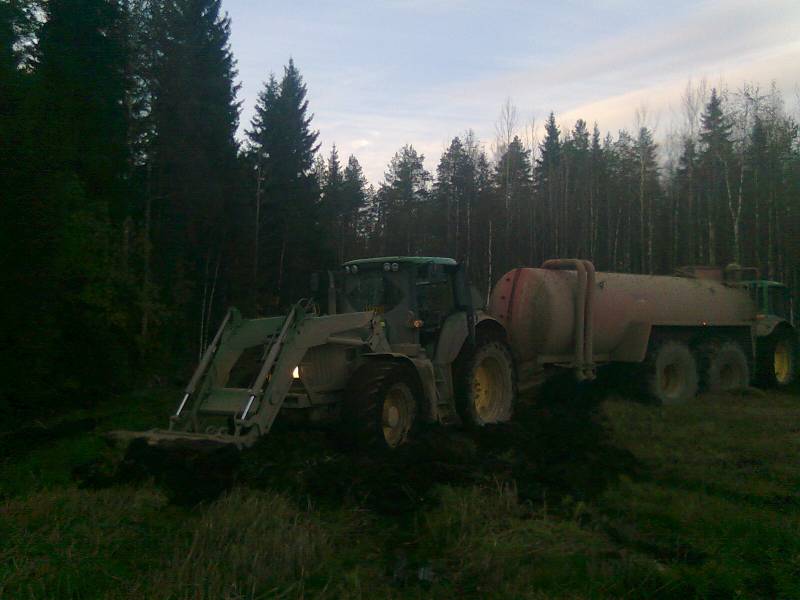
x: 435, y: 301
x: 441, y: 291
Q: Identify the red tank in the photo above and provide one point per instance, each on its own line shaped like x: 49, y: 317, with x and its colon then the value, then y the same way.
x: 538, y: 309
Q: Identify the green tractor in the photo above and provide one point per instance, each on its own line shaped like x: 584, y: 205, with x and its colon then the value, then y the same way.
x: 403, y: 343
x: 775, y: 333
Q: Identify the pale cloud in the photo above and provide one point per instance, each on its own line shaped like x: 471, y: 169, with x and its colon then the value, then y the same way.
x: 380, y: 76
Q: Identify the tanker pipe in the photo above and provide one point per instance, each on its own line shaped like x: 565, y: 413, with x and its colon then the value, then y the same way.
x: 588, y: 344
x: 580, y: 308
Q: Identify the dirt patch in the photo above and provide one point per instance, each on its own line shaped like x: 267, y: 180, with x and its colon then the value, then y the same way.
x: 557, y: 445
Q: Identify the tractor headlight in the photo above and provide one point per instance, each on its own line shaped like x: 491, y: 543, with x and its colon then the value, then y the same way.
x: 296, y: 373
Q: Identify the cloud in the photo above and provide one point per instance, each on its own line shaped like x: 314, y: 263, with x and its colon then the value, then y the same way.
x: 387, y: 79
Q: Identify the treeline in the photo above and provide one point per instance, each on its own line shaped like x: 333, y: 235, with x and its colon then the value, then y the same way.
x: 132, y: 214
x: 727, y: 190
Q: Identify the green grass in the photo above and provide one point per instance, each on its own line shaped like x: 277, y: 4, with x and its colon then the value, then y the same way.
x: 707, y: 505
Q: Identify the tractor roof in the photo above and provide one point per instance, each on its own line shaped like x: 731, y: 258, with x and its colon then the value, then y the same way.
x: 415, y: 260
x: 763, y: 283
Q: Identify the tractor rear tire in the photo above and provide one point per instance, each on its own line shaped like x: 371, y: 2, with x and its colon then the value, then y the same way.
x: 381, y: 409
x: 725, y: 367
x: 486, y: 384
x: 671, y: 373
x: 777, y: 359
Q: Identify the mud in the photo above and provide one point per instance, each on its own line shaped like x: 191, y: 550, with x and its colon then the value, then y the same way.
x: 557, y: 445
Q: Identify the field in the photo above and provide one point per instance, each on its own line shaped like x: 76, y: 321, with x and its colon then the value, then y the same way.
x: 586, y: 495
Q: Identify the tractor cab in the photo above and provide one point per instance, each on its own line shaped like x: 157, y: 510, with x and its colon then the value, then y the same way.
x: 413, y: 296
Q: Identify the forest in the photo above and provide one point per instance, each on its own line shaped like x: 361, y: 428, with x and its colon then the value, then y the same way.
x: 134, y: 211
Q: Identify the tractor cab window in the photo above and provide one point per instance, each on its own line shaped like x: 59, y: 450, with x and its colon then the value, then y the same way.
x: 435, y: 297
x: 372, y: 289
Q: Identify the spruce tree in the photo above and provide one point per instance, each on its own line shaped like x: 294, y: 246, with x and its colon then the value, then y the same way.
x: 333, y: 210
x: 355, y: 195
x: 402, y: 198
x: 193, y: 160
x: 548, y: 186
x: 76, y: 198
x: 282, y: 138
x: 513, y: 182
x: 715, y: 154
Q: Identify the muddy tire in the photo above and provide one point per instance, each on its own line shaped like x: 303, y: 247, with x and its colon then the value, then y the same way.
x: 724, y: 367
x: 381, y: 409
x: 486, y: 384
x: 777, y: 359
x: 671, y: 375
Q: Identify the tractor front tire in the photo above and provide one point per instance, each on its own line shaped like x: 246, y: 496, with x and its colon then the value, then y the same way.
x: 381, y: 409
x: 671, y: 373
x: 486, y: 385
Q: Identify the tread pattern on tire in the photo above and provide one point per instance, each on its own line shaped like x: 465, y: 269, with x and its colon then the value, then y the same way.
x: 462, y: 373
x: 362, y: 409
x: 677, y: 350
x: 714, y: 358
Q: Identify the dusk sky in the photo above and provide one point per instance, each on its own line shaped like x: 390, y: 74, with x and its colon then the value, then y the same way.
x: 383, y: 74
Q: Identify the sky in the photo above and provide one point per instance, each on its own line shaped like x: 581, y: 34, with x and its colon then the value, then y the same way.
x: 382, y: 74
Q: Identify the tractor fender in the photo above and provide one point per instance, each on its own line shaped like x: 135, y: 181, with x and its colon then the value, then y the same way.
x: 767, y: 325
x: 487, y: 324
x: 425, y: 374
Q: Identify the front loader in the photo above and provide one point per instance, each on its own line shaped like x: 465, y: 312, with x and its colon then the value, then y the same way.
x: 402, y: 344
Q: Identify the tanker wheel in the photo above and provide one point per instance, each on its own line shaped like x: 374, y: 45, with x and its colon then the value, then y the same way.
x: 778, y: 359
x: 381, y: 406
x: 486, y: 383
x: 724, y: 367
x: 671, y: 373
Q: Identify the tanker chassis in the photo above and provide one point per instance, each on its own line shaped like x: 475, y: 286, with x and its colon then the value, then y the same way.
x: 405, y: 341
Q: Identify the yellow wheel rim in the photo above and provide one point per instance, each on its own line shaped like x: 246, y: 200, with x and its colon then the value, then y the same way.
x: 782, y: 361
x: 398, y: 414
x: 489, y: 391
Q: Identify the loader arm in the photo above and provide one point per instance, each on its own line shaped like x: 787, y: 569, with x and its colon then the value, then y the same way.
x: 211, y: 412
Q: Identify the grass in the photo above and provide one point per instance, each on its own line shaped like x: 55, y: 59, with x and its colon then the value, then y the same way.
x: 580, y: 499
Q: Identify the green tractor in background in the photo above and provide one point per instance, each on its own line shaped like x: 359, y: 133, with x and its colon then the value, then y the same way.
x: 775, y: 333
x: 403, y: 342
